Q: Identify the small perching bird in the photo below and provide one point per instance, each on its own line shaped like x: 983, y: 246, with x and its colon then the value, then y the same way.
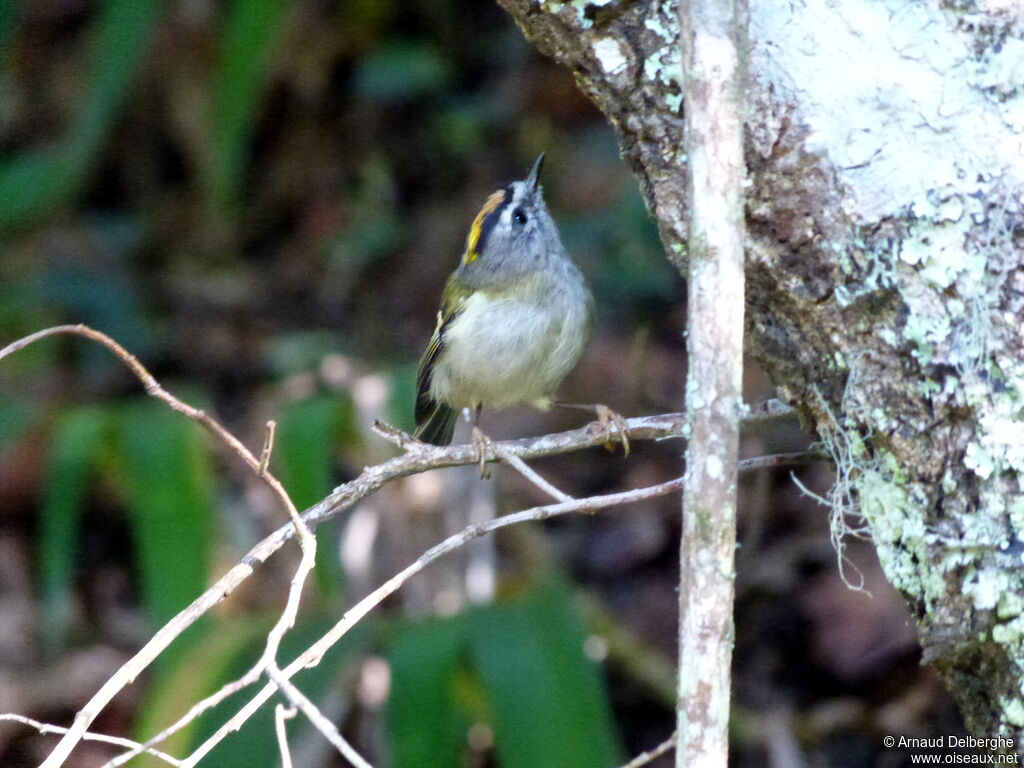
x: 514, y: 316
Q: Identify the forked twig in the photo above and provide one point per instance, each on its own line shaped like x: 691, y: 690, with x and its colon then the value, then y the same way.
x: 417, y: 458
x: 307, y: 542
x: 312, y: 655
x: 320, y: 721
x: 530, y: 474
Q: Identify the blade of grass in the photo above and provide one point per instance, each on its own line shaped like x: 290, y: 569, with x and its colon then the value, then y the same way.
x: 69, y: 474
x: 248, y: 45
x: 169, y: 492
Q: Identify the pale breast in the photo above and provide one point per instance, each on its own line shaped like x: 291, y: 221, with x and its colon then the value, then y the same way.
x: 502, y: 351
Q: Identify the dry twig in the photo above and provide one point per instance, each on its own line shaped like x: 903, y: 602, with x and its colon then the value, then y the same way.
x: 652, y: 754
x: 330, y: 731
x: 281, y: 714
x: 307, y: 542
x: 312, y: 655
x: 418, y: 457
x: 46, y: 728
x: 530, y: 474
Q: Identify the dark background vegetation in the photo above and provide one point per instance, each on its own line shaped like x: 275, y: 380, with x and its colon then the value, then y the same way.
x: 262, y: 200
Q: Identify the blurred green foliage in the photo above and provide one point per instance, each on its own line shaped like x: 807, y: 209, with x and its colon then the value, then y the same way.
x: 426, y: 722
x: 401, y: 70
x: 517, y: 665
x: 561, y: 718
x: 157, y: 464
x: 33, y: 183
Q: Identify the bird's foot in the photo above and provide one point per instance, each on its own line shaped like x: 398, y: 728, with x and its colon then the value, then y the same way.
x: 615, y: 428
x: 481, y: 444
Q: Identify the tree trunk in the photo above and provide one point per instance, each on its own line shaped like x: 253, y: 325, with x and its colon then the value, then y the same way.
x: 885, y: 274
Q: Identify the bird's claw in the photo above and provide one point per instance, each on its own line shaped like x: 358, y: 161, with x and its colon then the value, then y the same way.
x: 614, y: 426
x: 481, y: 444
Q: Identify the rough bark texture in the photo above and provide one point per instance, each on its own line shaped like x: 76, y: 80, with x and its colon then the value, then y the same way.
x: 885, y: 269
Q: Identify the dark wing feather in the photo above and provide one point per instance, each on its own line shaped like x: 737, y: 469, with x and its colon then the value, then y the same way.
x: 438, y: 427
x: 434, y: 421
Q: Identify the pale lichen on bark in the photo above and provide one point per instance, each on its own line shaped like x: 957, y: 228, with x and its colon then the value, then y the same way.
x: 885, y: 267
x: 923, y: 170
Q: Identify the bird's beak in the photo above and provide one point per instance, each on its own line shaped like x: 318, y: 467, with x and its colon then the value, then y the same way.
x: 532, y: 179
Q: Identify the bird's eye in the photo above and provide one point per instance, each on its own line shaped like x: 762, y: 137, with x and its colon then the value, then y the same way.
x: 519, y: 216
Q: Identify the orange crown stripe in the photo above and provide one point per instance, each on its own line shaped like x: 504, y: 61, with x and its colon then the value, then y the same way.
x: 493, y: 203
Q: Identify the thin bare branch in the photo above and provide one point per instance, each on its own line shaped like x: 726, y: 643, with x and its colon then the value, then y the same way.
x: 127, y: 674
x: 653, y: 754
x: 281, y: 714
x: 193, y: 712
x: 769, y: 410
x: 151, y: 385
x: 330, y: 732
x: 778, y: 460
x: 268, y: 448
x: 46, y: 728
x: 417, y: 458
x: 253, y: 674
x: 268, y: 659
x: 530, y: 474
x: 311, y: 656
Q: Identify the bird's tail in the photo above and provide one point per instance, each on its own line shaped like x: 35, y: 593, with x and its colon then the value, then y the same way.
x: 438, y: 426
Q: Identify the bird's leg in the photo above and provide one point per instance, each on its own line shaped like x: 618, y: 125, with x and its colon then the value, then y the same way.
x: 612, y: 422
x: 480, y: 443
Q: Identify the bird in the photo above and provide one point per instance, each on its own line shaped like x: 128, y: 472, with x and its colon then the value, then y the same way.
x: 514, y: 319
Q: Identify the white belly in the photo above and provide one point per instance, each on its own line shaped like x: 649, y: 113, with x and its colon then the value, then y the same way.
x: 502, y: 351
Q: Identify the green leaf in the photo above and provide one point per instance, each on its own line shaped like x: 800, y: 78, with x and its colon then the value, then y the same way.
x: 427, y: 728
x: 550, y: 706
x: 169, y: 492
x: 69, y: 472
x: 249, y: 42
x: 35, y: 182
